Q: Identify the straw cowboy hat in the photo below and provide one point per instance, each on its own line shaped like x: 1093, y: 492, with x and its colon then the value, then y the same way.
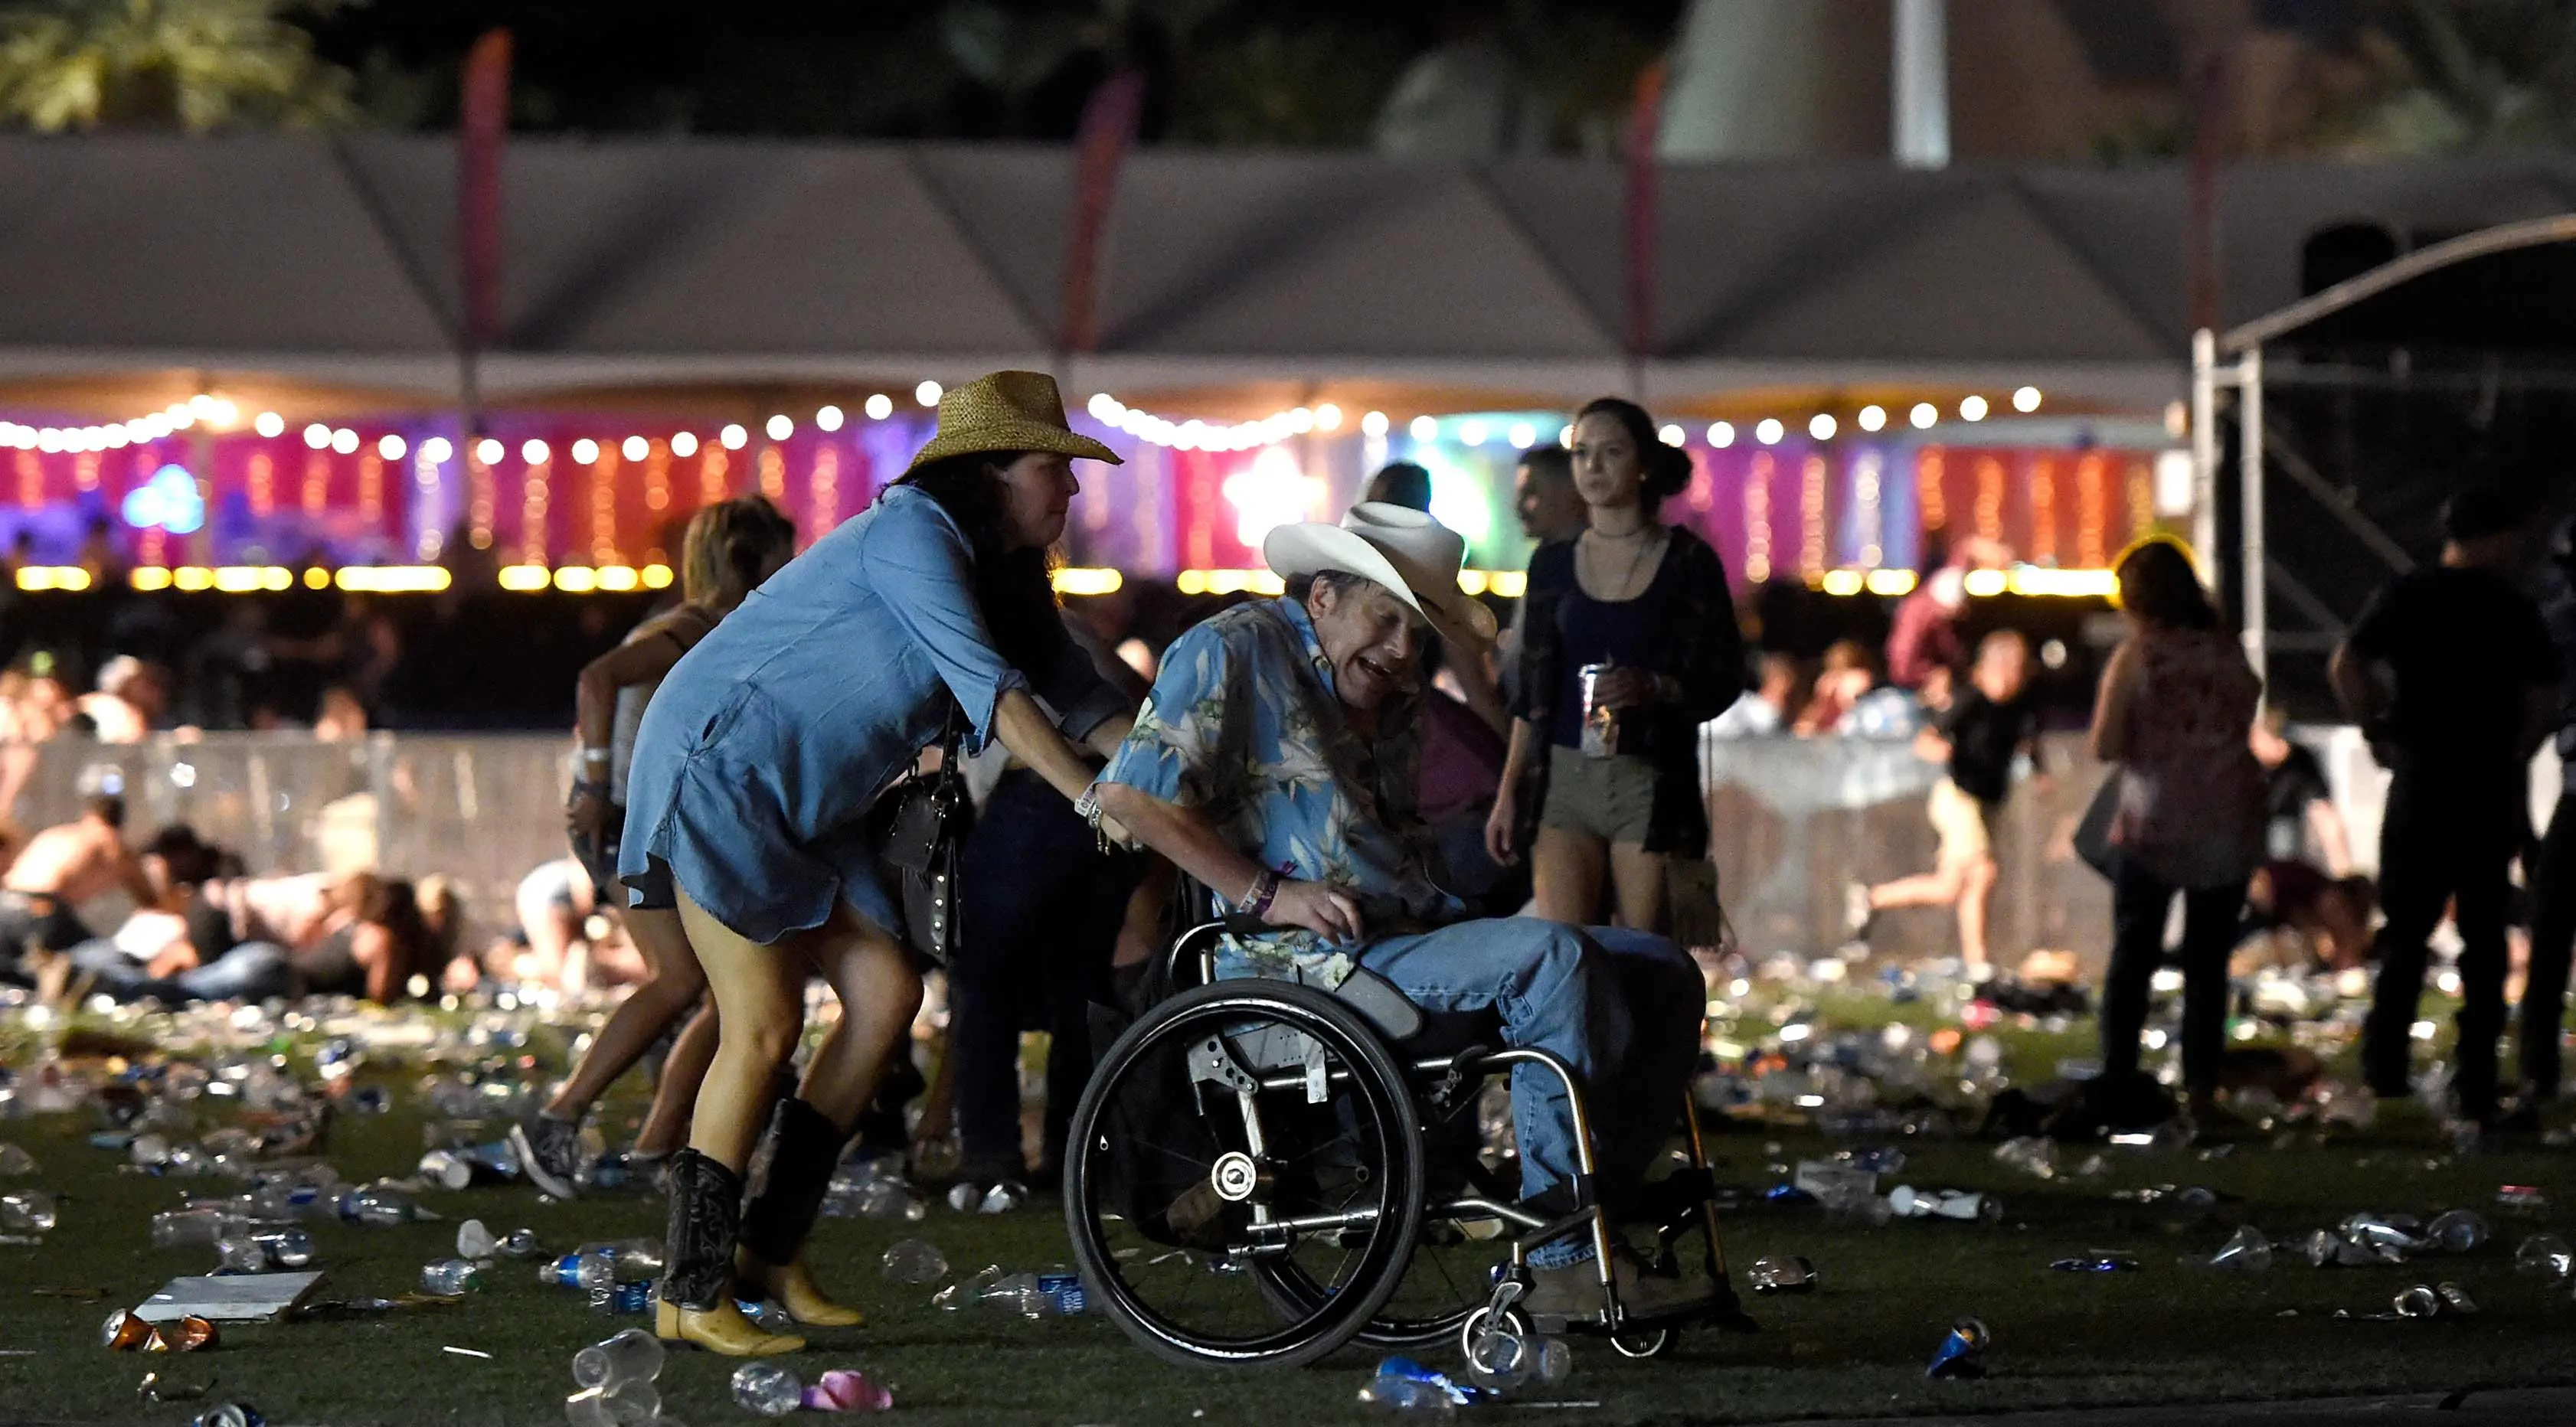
x: 1006, y: 411
x: 1414, y: 557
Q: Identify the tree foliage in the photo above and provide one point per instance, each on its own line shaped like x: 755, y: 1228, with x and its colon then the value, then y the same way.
x: 193, y: 65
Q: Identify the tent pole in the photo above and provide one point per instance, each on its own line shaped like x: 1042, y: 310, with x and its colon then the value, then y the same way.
x: 2249, y: 475
x: 2204, y: 447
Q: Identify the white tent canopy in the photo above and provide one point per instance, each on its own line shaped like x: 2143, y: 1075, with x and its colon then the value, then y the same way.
x: 717, y: 263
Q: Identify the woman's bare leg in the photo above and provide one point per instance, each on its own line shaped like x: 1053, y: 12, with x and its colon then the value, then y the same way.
x: 1637, y: 880
x: 880, y: 993
x: 675, y: 1095
x: 666, y: 995
x: 760, y: 999
x: 1566, y: 870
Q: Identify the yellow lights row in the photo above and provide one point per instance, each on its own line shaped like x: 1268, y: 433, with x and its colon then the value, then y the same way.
x: 1507, y: 584
x: 2030, y: 581
x: 584, y: 579
x: 733, y: 436
x: 1823, y: 426
x: 214, y: 411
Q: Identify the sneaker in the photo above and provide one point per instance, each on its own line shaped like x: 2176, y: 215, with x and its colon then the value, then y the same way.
x: 1857, y: 912
x: 550, y: 1153
x: 1574, y: 1291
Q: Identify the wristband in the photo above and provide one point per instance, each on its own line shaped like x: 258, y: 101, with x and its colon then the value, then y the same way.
x: 1256, y: 898
x: 594, y: 757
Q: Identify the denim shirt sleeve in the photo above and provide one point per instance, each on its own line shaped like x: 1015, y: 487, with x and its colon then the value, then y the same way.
x: 918, y: 562
x: 1171, y: 753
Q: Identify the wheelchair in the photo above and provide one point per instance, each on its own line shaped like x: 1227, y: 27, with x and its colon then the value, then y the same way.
x: 1261, y: 1172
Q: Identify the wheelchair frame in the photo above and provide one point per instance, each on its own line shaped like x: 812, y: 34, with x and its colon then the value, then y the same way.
x: 1283, y: 1059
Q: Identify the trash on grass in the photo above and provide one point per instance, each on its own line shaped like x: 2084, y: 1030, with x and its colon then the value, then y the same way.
x: 1962, y: 1354
x: 1783, y: 1273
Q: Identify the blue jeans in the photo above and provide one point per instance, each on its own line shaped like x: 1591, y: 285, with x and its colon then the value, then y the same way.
x: 252, y: 971
x: 1623, y: 1008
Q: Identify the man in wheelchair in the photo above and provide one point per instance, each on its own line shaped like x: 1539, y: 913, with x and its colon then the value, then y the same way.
x: 1275, y: 762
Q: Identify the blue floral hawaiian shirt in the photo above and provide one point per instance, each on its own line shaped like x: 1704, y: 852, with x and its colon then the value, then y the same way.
x: 1243, y: 725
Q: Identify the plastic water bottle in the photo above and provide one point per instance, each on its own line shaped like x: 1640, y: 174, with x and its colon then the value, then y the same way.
x: 967, y: 1291
x: 628, y: 1355
x: 629, y: 1298
x: 1400, y: 1396
x: 916, y: 1262
x: 768, y: 1389
x: 285, y: 1247
x: 1499, y: 1359
x: 177, y: 1228
x: 378, y: 1206
x: 2458, y: 1231
x: 450, y: 1278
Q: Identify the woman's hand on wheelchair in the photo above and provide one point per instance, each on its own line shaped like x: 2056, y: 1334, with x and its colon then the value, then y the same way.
x: 1317, y: 908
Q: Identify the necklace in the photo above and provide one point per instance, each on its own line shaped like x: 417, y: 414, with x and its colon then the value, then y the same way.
x: 1640, y: 542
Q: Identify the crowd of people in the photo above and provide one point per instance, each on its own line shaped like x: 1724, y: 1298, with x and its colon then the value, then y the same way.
x: 898, y: 752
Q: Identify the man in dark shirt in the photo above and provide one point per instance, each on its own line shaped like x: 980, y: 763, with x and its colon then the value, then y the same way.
x: 1989, y: 724
x: 2471, y: 689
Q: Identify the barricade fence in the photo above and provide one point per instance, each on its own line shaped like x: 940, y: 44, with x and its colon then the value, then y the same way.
x: 1794, y: 822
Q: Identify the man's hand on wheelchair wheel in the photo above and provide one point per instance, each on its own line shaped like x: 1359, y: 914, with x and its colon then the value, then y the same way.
x: 1317, y: 908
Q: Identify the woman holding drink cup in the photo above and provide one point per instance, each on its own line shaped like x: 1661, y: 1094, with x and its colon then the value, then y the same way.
x: 1628, y: 643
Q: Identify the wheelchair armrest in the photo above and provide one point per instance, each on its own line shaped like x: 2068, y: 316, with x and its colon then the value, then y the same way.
x: 1373, y: 996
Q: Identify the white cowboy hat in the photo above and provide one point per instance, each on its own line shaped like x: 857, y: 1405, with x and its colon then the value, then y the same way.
x: 1414, y: 557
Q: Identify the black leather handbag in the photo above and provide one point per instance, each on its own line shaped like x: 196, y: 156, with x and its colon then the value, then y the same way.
x: 926, y: 817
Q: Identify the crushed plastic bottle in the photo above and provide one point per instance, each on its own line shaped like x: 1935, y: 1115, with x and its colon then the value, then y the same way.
x: 1907, y: 1202
x: 768, y: 1389
x: 2031, y: 1154
x: 450, y: 1278
x: 378, y: 1205
x: 2546, y: 1255
x: 1406, y: 1388
x: 28, y: 1211
x: 628, y: 1355
x: 2246, y: 1251
x: 915, y: 1261
x: 197, y: 1224
x: 1783, y: 1273
x: 871, y: 1194
x: 842, y: 1390
x: 238, y: 1252
x: 284, y: 1246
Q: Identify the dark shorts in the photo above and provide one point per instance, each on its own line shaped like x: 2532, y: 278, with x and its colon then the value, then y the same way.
x: 650, y: 890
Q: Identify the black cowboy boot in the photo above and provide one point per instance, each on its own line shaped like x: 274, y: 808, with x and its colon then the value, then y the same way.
x: 777, y: 1222
x: 697, y: 1279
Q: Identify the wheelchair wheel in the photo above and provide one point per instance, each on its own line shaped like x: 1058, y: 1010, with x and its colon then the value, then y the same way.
x: 1642, y: 1342
x: 1238, y: 1137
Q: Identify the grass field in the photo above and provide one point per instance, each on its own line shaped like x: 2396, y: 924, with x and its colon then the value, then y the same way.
x: 1857, y: 1346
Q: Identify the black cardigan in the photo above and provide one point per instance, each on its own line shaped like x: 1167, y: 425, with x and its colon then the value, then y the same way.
x: 1706, y: 653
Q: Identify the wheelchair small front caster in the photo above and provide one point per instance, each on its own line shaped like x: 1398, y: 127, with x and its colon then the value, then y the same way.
x: 1642, y: 1342
x: 1484, y: 1321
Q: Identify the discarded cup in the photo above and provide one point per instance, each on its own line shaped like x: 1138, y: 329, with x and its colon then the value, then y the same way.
x: 2246, y: 1251
x: 473, y: 1241
x: 2420, y: 1301
x: 915, y: 1261
x: 841, y: 1390
x: 229, y: 1414
x: 15, y: 1161
x: 629, y: 1355
x: 1962, y: 1353
x: 1783, y: 1273
x: 450, y: 1278
x: 2458, y: 1231
x: 2546, y: 1255
x: 633, y: 1403
x: 768, y: 1389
